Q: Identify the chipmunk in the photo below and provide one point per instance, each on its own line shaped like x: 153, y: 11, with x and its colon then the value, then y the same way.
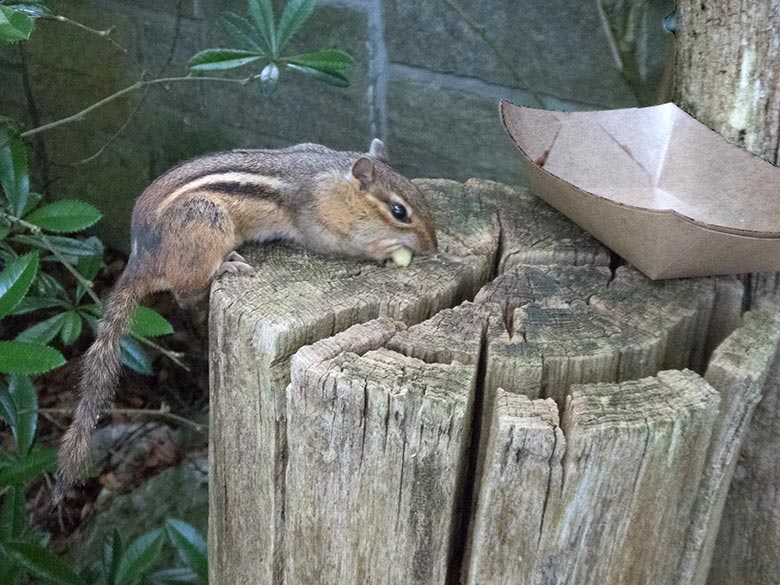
x: 186, y: 224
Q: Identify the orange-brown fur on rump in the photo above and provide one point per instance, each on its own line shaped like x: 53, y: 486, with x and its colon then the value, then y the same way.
x: 186, y: 224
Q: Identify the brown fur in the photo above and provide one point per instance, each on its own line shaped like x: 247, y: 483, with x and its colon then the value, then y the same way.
x: 186, y: 223
x: 99, y: 376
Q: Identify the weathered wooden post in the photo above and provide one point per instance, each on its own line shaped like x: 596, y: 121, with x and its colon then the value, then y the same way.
x: 257, y: 325
x: 727, y: 76
x: 370, y: 427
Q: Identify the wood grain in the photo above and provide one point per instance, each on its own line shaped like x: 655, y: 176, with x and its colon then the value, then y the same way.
x: 368, y: 422
x: 747, y: 548
x: 258, y: 323
x: 606, y: 497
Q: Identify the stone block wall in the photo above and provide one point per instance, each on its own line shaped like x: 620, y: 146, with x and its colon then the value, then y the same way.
x: 428, y: 77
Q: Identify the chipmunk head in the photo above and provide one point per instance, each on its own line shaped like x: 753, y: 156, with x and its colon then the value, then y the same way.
x: 386, y: 211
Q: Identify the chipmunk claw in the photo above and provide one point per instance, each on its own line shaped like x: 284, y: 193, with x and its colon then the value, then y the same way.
x: 234, y: 263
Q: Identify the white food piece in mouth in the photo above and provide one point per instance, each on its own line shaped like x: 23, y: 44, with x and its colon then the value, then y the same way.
x: 402, y: 257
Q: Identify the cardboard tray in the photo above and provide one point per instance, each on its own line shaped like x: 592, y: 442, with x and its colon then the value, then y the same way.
x: 668, y: 194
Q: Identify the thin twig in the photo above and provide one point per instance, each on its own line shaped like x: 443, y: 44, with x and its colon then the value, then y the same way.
x: 163, y: 412
x: 105, y: 34
x: 65, y: 19
x: 610, y: 35
x: 79, y: 116
x: 38, y: 144
x: 53, y: 421
x: 142, y: 99
x: 114, y: 136
x: 621, y: 37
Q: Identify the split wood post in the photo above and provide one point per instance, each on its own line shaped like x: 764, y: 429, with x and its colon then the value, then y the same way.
x: 727, y: 71
x: 744, y: 368
x: 356, y: 409
x: 257, y: 324
x: 747, y: 549
x: 605, y: 497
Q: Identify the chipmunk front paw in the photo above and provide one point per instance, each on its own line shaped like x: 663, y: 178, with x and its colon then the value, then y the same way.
x: 234, y: 263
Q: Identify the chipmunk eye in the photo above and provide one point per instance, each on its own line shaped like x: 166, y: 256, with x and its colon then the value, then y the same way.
x: 398, y: 211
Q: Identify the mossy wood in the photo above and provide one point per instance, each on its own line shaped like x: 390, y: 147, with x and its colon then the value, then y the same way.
x: 512, y: 411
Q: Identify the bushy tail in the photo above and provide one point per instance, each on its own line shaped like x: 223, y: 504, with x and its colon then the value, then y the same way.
x: 99, y: 377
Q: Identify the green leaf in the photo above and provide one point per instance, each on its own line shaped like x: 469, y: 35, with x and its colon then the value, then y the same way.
x: 5, y: 228
x: 25, y: 399
x: 294, y: 15
x: 29, y: 304
x: 135, y: 357
x: 29, y: 466
x: 334, y: 78
x: 74, y: 247
x: 112, y: 553
x: 42, y: 332
x: 66, y: 246
x: 10, y: 571
x: 48, y: 286
x: 262, y: 12
x: 190, y: 546
x: 91, y: 313
x: 65, y: 217
x: 88, y: 266
x: 42, y: 563
x: 241, y: 32
x: 269, y: 79
x: 91, y: 575
x: 175, y: 577
x: 149, y: 323
x: 221, y: 59
x: 71, y: 327
x: 139, y: 557
x: 17, y: 357
x: 14, y: 173
x: 7, y: 407
x: 15, y: 281
x: 32, y: 9
x: 329, y: 61
x: 14, y: 25
x: 33, y: 200
x: 12, y: 513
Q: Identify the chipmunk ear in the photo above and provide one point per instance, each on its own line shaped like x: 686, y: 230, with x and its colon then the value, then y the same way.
x: 363, y: 171
x: 378, y: 150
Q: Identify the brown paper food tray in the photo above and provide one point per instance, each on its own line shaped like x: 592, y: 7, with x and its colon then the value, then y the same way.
x: 661, y: 189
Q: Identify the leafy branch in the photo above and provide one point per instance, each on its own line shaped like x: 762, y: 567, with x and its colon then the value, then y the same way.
x: 264, y: 41
x: 46, y: 309
x: 79, y: 116
x: 39, y: 230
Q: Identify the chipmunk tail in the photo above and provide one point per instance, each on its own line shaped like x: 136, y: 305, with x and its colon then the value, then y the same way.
x: 100, y: 369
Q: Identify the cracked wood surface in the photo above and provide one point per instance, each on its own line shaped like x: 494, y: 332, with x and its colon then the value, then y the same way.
x: 371, y: 462
x: 727, y: 60
x: 377, y: 447
x: 738, y: 370
x: 293, y: 299
x: 611, y: 489
x: 747, y: 549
